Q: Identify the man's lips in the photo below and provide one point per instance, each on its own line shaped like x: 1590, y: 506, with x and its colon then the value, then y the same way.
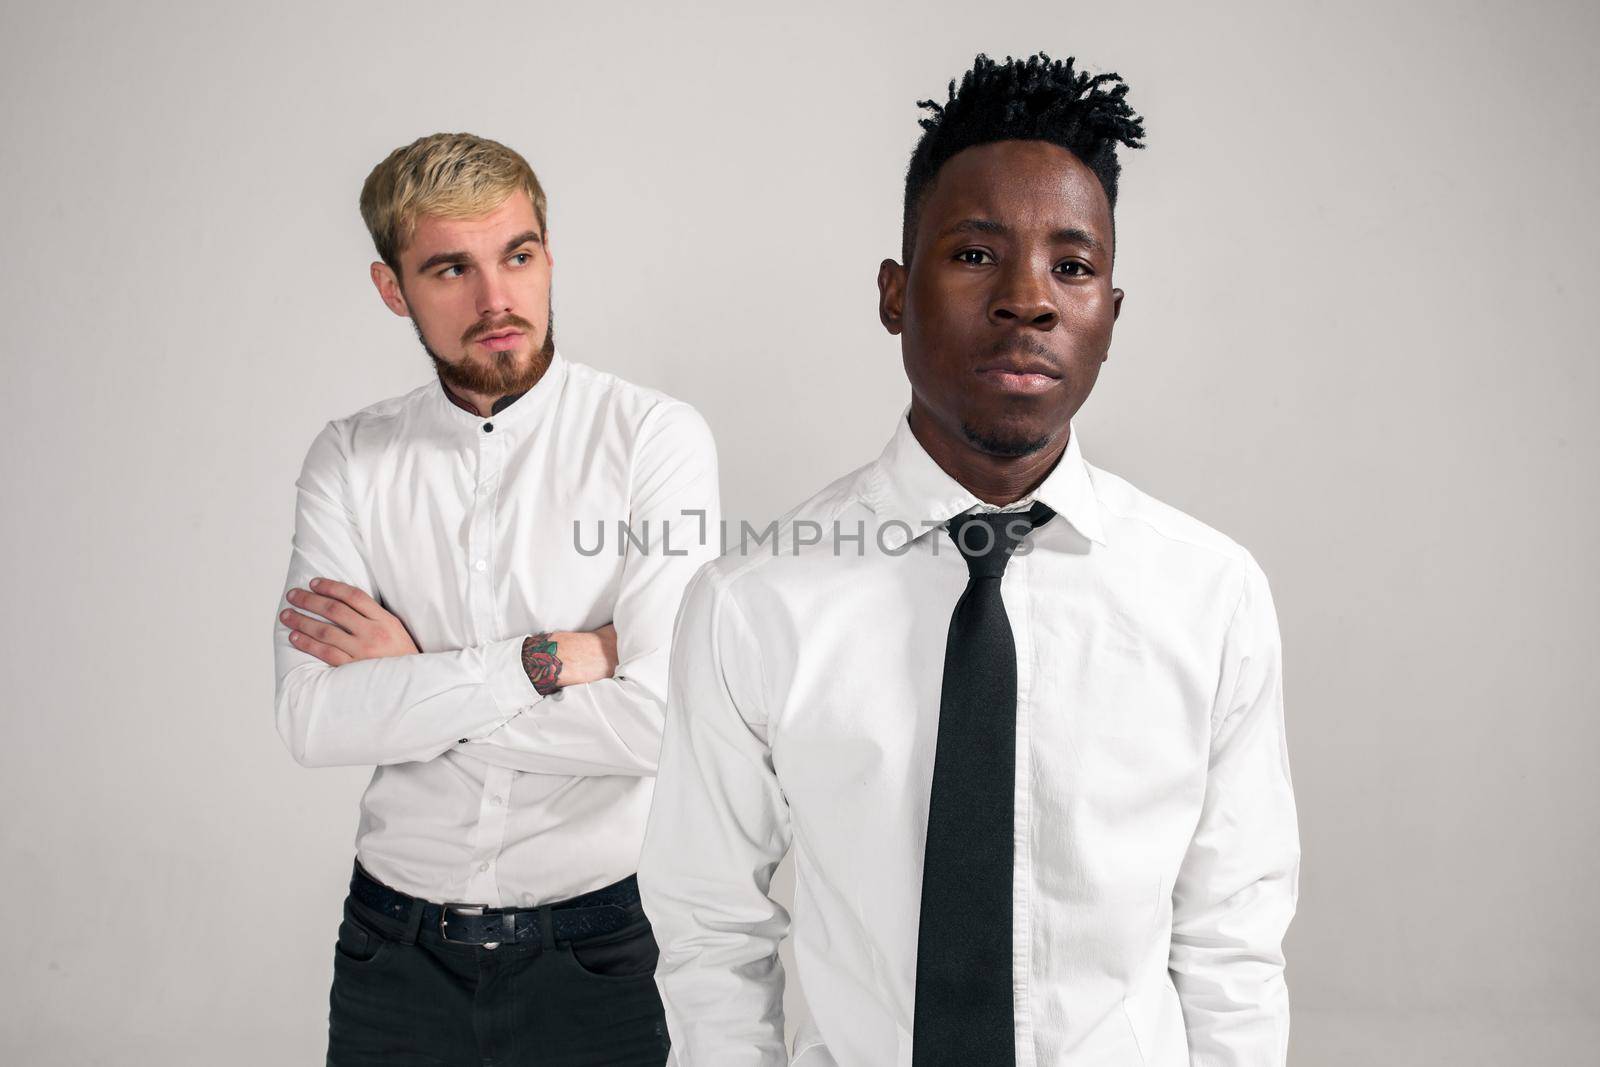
x: 500, y: 340
x: 1027, y: 377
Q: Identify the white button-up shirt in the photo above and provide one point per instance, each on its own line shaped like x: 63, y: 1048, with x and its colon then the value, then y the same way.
x: 477, y: 532
x: 1156, y: 854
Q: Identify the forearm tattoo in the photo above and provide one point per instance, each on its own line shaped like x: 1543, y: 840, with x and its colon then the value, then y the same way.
x: 539, y: 659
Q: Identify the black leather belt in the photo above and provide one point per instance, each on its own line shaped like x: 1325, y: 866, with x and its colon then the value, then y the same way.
x: 602, y: 911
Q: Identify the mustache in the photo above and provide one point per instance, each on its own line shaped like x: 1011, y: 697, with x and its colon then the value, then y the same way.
x: 483, y: 329
x: 1021, y: 344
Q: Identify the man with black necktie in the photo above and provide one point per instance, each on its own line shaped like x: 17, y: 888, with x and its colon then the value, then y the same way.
x: 1021, y: 724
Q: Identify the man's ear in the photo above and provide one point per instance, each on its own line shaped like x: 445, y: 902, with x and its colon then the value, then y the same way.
x: 544, y: 243
x: 388, y: 286
x: 1116, y: 309
x: 891, y: 295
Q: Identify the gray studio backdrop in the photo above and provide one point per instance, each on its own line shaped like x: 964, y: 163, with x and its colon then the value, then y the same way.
x: 1359, y: 337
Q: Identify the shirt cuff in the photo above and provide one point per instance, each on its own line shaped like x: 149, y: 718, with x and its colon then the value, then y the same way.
x: 508, y: 682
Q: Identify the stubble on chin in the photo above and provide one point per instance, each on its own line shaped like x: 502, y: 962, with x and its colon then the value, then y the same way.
x: 1011, y: 442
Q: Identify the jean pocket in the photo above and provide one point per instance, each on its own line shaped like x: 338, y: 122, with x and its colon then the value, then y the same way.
x: 358, y: 941
x: 629, y: 953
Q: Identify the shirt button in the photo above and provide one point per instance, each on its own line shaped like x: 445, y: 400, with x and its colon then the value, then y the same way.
x: 480, y: 566
x: 496, y: 801
x: 488, y: 427
x: 482, y: 867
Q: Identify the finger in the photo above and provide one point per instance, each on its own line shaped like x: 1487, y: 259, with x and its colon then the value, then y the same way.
x: 335, y: 611
x: 357, y: 598
x: 333, y: 657
x: 322, y: 632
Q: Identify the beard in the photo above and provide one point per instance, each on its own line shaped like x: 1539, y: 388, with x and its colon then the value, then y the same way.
x: 1003, y: 441
x: 501, y: 373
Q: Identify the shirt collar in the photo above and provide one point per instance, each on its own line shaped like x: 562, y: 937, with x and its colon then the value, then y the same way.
x: 519, y: 411
x: 905, y: 485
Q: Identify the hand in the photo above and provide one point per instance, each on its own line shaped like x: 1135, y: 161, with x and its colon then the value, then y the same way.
x: 358, y: 627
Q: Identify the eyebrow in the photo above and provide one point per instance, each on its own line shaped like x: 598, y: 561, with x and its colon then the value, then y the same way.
x: 1068, y: 234
x: 452, y: 259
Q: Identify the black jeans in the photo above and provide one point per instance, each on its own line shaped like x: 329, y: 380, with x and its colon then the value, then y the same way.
x: 400, y: 1001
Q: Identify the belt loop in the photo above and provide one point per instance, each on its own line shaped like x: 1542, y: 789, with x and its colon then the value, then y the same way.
x: 547, y: 927
x: 414, y: 921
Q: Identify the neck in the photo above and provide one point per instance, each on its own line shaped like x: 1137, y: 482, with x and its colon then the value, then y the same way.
x: 998, y: 480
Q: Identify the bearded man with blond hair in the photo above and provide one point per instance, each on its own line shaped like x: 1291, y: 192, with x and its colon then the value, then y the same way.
x: 444, y: 626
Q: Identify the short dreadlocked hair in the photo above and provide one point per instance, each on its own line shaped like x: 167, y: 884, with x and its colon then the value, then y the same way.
x: 1039, y: 99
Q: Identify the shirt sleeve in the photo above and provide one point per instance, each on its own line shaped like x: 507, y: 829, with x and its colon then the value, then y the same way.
x: 613, y: 725
x: 1236, y: 890
x: 376, y: 711
x: 718, y: 828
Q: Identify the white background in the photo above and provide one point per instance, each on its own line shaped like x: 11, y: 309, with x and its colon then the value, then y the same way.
x: 1359, y: 337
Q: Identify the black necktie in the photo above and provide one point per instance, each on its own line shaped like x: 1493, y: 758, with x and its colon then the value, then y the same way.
x: 963, y: 997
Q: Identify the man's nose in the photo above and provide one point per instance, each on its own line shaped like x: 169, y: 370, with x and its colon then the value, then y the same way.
x: 1023, y: 297
x: 493, y: 295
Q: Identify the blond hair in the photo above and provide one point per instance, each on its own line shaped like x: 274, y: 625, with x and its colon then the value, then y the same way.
x: 453, y: 175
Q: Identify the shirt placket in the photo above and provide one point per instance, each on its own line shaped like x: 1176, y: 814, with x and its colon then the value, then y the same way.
x: 488, y: 839
x: 1022, y: 839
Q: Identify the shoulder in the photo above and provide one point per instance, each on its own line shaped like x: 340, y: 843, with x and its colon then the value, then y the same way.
x: 341, y: 439
x: 639, y: 412
x: 386, y: 412
x: 1166, y: 541
x: 1137, y: 514
x: 798, y: 546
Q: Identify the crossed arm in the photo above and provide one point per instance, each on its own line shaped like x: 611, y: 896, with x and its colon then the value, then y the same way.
x: 358, y: 628
x: 353, y: 689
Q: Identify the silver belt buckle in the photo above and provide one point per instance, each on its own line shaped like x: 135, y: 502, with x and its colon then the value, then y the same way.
x: 508, y: 922
x: 446, y: 910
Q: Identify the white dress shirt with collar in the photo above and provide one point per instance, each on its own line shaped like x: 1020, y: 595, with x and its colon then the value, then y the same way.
x: 485, y: 791
x: 1156, y: 856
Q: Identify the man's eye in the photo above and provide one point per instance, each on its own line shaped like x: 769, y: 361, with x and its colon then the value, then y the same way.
x: 452, y: 271
x: 522, y: 259
x: 972, y: 256
x: 1072, y: 268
